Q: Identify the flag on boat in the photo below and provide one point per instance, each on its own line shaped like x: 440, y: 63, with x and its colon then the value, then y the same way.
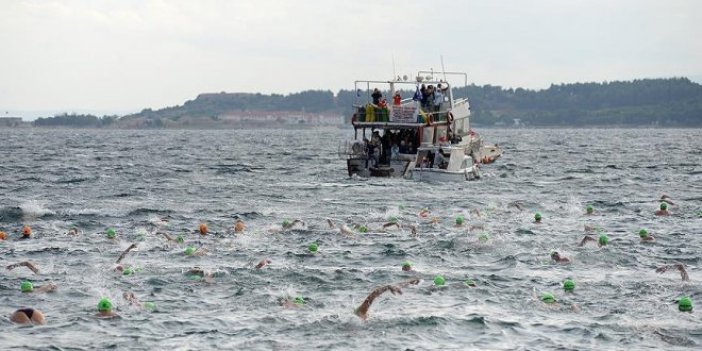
x: 417, y: 94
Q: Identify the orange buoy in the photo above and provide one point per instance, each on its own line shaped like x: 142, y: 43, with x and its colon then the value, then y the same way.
x: 26, y: 231
x: 203, y: 228
x: 3, y: 235
x: 239, y: 226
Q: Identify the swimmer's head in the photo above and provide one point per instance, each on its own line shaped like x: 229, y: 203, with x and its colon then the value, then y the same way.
x: 3, y: 235
x: 483, y: 237
x: 363, y: 229
x: 685, y: 304
x: 439, y: 280
x: 26, y: 231
x: 568, y: 285
x: 104, y: 305
x: 555, y: 255
x: 603, y: 239
x: 149, y: 306
x: 239, y: 226
x: 643, y: 233
x: 392, y: 219
x: 203, y: 228
x: 547, y: 298
x: 664, y: 206
x: 286, y: 223
x: 110, y: 232
x: 299, y: 300
x: 127, y: 271
x: 459, y: 220
x: 406, y: 266
x: 589, y: 209
x: 189, y: 251
x: 470, y: 282
x: 180, y: 239
x: 26, y: 286
x: 313, y: 247
x: 537, y: 216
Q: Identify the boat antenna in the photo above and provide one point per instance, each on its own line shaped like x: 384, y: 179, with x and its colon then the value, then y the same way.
x: 394, y: 74
x: 443, y: 69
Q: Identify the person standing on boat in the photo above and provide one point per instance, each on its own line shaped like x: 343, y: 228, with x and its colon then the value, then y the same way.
x: 425, y: 96
x: 438, y: 99
x: 397, y: 99
x: 377, y: 95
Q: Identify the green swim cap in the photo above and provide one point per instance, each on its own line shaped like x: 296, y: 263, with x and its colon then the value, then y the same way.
x: 105, y: 305
x: 603, y: 239
x: 548, y: 298
x: 459, y: 219
x: 286, y: 223
x: 685, y: 304
x: 664, y: 206
x: 189, y: 251
x: 643, y: 233
x: 469, y: 282
x: 363, y: 229
x: 149, y: 306
x: 110, y: 233
x: 180, y: 239
x: 568, y: 285
x: 406, y: 264
x: 537, y: 216
x: 127, y: 271
x: 439, y: 280
x: 392, y: 219
x: 483, y: 237
x: 313, y: 247
x: 299, y: 300
x: 26, y: 286
x: 589, y: 209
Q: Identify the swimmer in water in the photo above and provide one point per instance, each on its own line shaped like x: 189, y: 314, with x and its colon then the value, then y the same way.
x: 27, y: 264
x: 28, y: 287
x: 679, y: 266
x: 362, y: 310
x: 407, y: 267
x: 330, y: 223
x: 3, y: 235
x: 645, y: 235
x: 556, y: 257
x: 424, y: 213
x: 73, y: 231
x: 518, y: 205
x: 264, y: 262
x: 537, y: 218
x: 104, y: 308
x: 190, y: 251
x: 663, y: 211
x: 289, y: 302
x: 207, y: 277
x: 131, y: 298
x: 589, y: 210
x: 26, y: 232
x: 287, y: 224
x: 27, y: 316
x: 601, y: 241
x: 203, y: 229
x: 239, y: 226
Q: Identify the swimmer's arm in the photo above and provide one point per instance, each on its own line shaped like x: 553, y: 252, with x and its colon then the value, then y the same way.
x: 331, y: 224
x: 414, y: 281
x: 345, y: 230
x: 27, y: 264
x: 414, y: 230
x: 679, y: 266
x: 362, y: 310
x: 168, y: 237
x: 132, y: 246
x: 263, y: 263
x: 46, y: 288
x: 390, y: 224
x: 586, y: 239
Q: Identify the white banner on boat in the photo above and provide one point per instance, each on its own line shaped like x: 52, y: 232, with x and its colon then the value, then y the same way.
x: 404, y: 114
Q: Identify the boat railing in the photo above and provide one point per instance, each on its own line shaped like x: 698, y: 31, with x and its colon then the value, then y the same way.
x: 374, y: 113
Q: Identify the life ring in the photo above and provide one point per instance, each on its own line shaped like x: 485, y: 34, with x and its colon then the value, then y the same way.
x: 450, y: 117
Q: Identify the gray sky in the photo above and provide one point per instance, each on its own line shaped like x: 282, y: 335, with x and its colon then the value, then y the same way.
x: 127, y: 55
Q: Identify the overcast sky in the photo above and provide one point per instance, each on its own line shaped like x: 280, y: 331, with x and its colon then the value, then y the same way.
x: 127, y: 55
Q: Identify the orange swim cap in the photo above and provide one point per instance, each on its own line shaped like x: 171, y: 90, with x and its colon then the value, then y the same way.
x: 3, y: 236
x: 203, y: 228
x: 26, y: 230
x: 239, y: 226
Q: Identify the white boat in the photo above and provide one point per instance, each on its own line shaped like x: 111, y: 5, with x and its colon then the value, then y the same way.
x: 423, y: 140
